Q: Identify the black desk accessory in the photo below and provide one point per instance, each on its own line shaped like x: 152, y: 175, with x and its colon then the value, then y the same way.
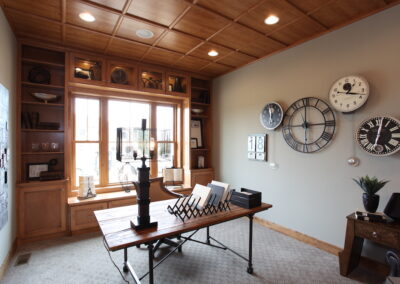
x: 246, y: 198
x: 392, y: 208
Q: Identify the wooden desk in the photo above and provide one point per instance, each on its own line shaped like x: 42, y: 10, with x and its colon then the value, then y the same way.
x: 357, y: 231
x: 116, y: 229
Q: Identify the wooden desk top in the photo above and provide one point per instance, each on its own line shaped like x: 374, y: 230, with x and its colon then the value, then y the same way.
x: 116, y: 228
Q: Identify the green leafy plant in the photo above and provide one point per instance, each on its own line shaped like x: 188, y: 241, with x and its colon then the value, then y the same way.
x: 370, y: 185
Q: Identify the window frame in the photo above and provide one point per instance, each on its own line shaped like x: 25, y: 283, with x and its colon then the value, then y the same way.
x: 104, y: 185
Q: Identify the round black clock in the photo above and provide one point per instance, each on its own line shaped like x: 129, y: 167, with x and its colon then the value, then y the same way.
x: 271, y: 116
x: 308, y: 125
x: 379, y: 136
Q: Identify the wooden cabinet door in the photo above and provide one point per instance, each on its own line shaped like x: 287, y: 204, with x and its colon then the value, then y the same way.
x: 82, y: 216
x: 42, y: 209
x: 202, y: 177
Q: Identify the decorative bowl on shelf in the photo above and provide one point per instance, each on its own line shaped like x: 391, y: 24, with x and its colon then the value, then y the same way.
x: 197, y: 110
x: 45, y: 97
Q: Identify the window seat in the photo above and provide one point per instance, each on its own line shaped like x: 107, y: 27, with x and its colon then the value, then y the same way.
x: 81, y: 215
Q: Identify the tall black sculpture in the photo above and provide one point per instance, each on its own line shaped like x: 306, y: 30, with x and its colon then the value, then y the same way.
x: 143, y: 187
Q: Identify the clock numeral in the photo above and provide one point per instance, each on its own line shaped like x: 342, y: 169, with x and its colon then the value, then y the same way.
x: 395, y: 135
x: 346, y: 80
x: 371, y: 124
x: 388, y: 148
x: 330, y: 123
x: 393, y: 142
x: 362, y: 136
x: 295, y: 106
x: 305, y: 148
x: 387, y: 123
x: 326, y: 136
x: 369, y: 147
x: 306, y: 101
x: 325, y: 111
x: 364, y: 129
x: 316, y: 103
x: 364, y: 142
x: 378, y: 121
x: 394, y: 128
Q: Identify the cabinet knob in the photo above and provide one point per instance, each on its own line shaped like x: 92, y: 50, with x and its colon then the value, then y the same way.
x: 374, y: 235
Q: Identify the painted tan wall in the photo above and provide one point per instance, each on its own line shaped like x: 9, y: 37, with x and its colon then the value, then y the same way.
x: 311, y: 193
x: 8, y: 63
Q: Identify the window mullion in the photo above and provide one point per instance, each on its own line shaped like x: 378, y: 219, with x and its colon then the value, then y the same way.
x: 103, y: 147
x: 153, y: 133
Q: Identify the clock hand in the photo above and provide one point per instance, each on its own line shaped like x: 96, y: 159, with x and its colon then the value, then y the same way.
x: 308, y: 124
x: 378, y: 134
x: 350, y: 93
x: 271, y: 111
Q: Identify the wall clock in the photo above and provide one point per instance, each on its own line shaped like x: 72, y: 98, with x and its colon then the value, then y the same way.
x: 379, y: 136
x: 308, y: 125
x: 271, y: 116
x: 349, y: 93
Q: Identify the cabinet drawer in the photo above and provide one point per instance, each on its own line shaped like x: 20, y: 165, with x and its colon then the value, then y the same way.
x: 82, y: 217
x: 377, y: 233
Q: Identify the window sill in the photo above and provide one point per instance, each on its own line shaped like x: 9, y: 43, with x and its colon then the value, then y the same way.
x: 102, y: 197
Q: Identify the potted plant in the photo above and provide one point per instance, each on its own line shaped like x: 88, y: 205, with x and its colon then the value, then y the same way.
x: 370, y: 186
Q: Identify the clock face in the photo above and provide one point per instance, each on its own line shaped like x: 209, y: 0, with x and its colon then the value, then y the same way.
x: 271, y: 116
x: 379, y: 136
x: 349, y: 93
x: 308, y: 125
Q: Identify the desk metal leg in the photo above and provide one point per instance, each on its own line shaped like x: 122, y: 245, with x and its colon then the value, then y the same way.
x: 250, y: 266
x: 125, y: 268
x: 208, y: 235
x: 150, y: 248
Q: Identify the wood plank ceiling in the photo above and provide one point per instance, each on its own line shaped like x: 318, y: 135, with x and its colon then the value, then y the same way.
x: 185, y: 30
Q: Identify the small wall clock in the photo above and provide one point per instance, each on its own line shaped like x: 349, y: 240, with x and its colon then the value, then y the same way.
x: 349, y: 93
x: 379, y: 136
x: 271, y: 116
x: 308, y: 125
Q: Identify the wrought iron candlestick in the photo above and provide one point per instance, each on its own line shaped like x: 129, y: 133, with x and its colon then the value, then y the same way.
x: 142, y: 188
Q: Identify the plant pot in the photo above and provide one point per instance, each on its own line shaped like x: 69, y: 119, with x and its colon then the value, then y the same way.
x: 371, y: 202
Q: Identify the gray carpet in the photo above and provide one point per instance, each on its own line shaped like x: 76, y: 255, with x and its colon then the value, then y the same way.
x: 277, y: 259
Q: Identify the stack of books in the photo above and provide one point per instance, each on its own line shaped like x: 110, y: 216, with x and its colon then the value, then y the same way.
x: 371, y: 217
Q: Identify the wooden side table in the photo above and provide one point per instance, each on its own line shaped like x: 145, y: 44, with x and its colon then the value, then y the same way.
x: 357, y: 231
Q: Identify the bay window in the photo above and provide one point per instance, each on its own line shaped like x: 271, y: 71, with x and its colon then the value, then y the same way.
x: 95, y: 128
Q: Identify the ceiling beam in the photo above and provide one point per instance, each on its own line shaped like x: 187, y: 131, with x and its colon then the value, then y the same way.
x: 118, y: 24
x: 63, y: 19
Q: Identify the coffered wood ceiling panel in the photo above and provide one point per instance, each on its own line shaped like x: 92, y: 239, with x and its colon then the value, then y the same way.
x: 185, y: 30
x: 127, y: 48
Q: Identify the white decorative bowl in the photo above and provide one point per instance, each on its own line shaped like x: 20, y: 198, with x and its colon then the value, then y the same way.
x: 197, y: 110
x: 45, y: 97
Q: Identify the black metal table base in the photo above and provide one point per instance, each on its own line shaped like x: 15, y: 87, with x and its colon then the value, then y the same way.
x: 150, y: 246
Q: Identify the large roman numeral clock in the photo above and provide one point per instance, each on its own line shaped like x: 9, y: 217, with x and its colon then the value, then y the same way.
x: 308, y: 125
x: 379, y: 136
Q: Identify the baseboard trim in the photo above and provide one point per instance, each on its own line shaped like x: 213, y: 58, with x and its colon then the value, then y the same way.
x: 6, y: 262
x: 371, y: 264
x: 299, y: 236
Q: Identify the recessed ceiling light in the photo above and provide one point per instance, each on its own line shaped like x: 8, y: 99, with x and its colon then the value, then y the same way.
x: 87, y: 17
x: 213, y: 52
x: 271, y: 20
x: 143, y: 33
